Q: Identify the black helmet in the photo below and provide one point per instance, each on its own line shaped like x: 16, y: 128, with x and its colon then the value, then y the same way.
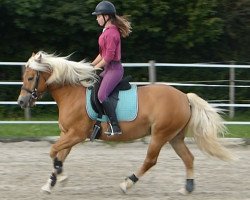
x: 104, y: 7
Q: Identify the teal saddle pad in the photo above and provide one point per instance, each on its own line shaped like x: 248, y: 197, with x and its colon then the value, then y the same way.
x: 127, y: 105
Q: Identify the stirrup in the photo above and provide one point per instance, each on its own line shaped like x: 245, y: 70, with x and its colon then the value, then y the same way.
x: 112, y: 131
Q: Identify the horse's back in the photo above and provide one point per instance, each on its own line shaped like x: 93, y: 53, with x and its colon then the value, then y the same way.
x: 162, y: 110
x: 163, y: 103
x: 163, y: 94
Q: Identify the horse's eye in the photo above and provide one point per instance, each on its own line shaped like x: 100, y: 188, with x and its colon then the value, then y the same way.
x: 30, y: 78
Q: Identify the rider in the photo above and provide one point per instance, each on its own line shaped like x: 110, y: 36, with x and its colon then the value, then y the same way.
x: 109, y: 57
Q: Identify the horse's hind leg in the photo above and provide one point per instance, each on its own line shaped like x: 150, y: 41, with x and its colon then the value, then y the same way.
x: 154, y: 148
x: 183, y: 152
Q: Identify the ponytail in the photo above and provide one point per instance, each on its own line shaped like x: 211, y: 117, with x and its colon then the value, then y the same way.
x: 122, y: 24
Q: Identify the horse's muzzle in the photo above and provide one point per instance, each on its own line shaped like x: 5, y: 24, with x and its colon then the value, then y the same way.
x: 25, y: 101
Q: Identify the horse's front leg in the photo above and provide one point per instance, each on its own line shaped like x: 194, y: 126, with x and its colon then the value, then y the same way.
x: 58, y: 174
x: 67, y: 140
x: 61, y: 156
x: 58, y: 153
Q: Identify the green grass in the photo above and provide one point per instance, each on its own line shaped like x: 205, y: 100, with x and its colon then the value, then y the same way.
x: 29, y: 130
x: 238, y: 131
x: 41, y: 130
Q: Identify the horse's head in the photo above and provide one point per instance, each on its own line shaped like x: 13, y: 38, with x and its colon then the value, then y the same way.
x: 44, y: 69
x: 34, y: 83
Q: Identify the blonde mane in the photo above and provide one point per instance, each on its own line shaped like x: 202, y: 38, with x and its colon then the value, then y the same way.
x: 63, y: 71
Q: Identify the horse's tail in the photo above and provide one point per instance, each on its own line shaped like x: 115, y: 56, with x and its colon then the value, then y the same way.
x: 205, y: 126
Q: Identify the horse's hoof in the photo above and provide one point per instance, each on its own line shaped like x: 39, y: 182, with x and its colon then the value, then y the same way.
x: 45, y: 189
x: 62, y: 177
x: 189, y: 185
x: 183, y: 191
x: 123, y: 187
x: 63, y: 180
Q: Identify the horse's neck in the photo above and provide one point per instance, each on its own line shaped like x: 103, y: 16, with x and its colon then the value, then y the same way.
x: 66, y: 93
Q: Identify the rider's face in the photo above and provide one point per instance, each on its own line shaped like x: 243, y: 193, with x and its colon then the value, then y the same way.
x: 100, y: 19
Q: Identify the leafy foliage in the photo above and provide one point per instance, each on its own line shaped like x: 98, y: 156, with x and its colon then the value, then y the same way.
x: 165, y: 31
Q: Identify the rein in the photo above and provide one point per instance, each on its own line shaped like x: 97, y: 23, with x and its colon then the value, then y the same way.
x: 33, y: 92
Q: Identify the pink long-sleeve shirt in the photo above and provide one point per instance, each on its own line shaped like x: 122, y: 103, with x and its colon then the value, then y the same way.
x: 110, y: 50
x: 110, y: 44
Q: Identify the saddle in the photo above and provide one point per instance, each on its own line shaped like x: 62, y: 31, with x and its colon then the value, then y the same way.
x: 97, y: 106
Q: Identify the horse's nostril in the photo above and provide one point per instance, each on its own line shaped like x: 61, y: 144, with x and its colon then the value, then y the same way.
x: 20, y: 102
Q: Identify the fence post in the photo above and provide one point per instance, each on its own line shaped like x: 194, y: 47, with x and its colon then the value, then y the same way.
x: 27, y: 114
x: 152, y: 71
x: 231, y: 89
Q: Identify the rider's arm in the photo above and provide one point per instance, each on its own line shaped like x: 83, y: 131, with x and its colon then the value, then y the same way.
x: 100, y: 64
x: 97, y: 60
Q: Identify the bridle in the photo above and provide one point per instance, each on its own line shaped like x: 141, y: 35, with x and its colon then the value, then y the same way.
x: 33, y: 92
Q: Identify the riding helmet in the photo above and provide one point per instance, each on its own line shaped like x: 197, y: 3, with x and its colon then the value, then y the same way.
x: 105, y: 7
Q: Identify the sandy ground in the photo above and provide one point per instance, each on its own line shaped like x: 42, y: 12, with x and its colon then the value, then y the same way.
x: 96, y: 169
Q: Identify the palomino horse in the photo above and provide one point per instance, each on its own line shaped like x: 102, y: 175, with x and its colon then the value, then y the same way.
x: 164, y: 112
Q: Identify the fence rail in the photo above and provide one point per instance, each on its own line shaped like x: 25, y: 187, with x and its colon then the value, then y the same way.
x: 151, y: 65
x: 56, y: 122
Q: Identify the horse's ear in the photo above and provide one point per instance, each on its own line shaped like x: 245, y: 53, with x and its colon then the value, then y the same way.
x: 33, y: 54
x: 38, y: 57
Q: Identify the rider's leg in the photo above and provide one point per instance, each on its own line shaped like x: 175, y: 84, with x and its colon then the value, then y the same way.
x: 110, y: 112
x: 111, y: 78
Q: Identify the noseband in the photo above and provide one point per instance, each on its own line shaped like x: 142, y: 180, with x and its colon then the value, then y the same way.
x: 33, y: 92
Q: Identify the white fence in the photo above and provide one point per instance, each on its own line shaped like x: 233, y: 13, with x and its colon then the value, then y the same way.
x: 152, y: 66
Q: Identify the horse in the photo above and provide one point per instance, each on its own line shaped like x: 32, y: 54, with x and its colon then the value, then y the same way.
x: 164, y: 113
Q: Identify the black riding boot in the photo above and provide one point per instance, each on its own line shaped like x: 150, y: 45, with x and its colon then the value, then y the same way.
x: 109, y: 109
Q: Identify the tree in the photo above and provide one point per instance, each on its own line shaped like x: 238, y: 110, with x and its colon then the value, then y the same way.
x: 167, y: 31
x: 236, y: 29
